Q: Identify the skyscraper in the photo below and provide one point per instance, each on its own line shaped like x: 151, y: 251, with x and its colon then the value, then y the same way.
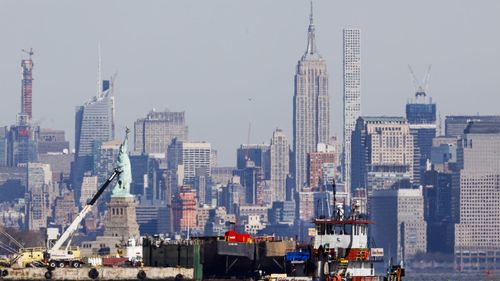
x: 154, y: 133
x: 382, y: 153
x: 421, y: 115
x: 22, y: 137
x: 27, y: 86
x: 475, y: 197
x: 352, y: 95
x: 311, y: 106
x: 94, y: 123
x: 280, y: 164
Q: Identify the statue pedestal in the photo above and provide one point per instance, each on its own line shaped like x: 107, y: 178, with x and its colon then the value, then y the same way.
x: 121, y: 219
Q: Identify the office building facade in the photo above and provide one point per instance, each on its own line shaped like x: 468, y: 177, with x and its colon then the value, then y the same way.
x: 311, y: 107
x: 476, y: 193
x: 154, y: 133
x: 381, y: 146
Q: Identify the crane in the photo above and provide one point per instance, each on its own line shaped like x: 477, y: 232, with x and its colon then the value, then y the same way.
x: 59, y: 256
x: 29, y: 52
x: 421, y: 87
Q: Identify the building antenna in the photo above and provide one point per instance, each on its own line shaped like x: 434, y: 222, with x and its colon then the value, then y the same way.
x: 112, y: 97
x: 440, y: 126
x: 99, y: 74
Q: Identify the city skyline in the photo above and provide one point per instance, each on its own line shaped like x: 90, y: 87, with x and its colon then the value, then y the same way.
x: 458, y: 69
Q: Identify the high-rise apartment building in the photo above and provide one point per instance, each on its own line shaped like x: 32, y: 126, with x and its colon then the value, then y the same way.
x: 352, y: 95
x: 381, y: 147
x: 27, y: 87
x: 399, y: 226
x: 191, y: 155
x: 22, y: 137
x: 280, y: 164
x: 322, y: 165
x: 476, y: 193
x: 311, y: 107
x: 154, y: 133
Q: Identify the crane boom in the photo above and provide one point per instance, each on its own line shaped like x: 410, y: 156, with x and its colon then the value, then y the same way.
x: 83, y: 213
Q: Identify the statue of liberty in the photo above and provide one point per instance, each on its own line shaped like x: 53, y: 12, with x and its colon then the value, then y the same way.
x: 122, y: 187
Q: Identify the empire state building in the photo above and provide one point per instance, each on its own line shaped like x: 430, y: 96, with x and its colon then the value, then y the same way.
x: 311, y: 107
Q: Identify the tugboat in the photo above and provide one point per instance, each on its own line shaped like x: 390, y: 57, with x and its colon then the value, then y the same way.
x: 341, y: 251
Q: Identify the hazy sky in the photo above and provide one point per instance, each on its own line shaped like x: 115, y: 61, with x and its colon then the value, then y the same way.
x: 209, y: 57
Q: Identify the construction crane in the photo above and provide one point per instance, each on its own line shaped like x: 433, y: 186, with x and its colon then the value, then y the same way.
x: 58, y: 255
x: 420, y: 87
x: 29, y: 52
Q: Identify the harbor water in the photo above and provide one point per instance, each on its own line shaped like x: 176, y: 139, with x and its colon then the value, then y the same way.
x: 451, y: 277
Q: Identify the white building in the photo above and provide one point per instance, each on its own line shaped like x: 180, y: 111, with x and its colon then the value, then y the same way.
x: 352, y: 94
x: 191, y: 155
x: 254, y: 224
x: 280, y: 165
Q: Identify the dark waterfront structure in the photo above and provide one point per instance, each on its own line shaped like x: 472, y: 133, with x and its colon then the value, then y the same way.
x: 437, y: 191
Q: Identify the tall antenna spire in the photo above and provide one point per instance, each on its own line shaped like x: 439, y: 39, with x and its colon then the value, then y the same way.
x: 311, y: 15
x: 311, y: 38
x: 99, y: 74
